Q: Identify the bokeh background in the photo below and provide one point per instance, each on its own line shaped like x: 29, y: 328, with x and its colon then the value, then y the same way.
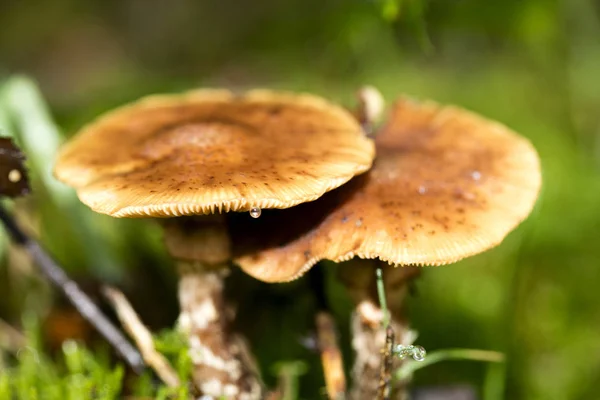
x: 532, y: 64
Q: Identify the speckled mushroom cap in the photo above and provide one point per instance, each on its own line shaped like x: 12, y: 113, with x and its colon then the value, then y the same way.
x: 446, y: 184
x: 209, y: 150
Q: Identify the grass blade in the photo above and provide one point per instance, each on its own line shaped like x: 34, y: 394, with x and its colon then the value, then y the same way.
x: 410, y: 367
x: 40, y: 138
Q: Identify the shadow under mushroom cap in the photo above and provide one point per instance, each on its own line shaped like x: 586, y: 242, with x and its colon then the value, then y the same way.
x: 446, y: 184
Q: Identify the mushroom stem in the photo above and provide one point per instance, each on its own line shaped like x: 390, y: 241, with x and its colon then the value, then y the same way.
x: 222, y: 366
x: 220, y: 362
x: 368, y: 333
x: 368, y: 340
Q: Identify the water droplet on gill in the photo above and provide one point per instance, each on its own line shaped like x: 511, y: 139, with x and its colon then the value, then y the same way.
x: 422, y: 190
x: 255, y: 212
x: 476, y: 175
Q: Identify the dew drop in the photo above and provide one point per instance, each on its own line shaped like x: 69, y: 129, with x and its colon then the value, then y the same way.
x: 401, y: 351
x: 422, y: 190
x: 418, y: 353
x: 476, y: 175
x: 255, y: 212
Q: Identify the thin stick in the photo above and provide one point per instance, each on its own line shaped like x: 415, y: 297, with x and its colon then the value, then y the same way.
x: 331, y: 356
x: 142, y: 337
x: 385, y: 376
x: 387, y: 362
x: 86, y: 307
x: 327, y: 339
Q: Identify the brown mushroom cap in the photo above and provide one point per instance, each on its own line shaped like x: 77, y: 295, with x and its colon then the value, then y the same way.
x: 210, y: 150
x: 446, y: 184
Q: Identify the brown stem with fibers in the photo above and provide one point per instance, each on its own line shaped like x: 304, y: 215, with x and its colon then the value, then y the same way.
x: 222, y: 366
x: 368, y: 333
x: 387, y: 365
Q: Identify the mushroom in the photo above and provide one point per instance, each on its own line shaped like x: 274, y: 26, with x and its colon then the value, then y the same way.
x: 187, y: 159
x: 446, y: 184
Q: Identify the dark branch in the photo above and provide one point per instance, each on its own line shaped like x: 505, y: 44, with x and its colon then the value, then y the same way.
x: 86, y: 307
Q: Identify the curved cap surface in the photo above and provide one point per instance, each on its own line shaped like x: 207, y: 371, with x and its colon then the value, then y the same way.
x: 446, y: 184
x: 211, y: 151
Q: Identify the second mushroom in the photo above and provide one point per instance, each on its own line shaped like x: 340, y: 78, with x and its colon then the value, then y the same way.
x: 446, y: 184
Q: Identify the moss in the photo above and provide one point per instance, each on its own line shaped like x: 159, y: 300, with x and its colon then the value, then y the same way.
x: 78, y: 372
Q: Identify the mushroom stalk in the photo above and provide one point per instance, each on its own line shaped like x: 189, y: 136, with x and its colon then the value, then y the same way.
x: 368, y: 340
x: 220, y: 362
x: 368, y: 333
x: 222, y: 366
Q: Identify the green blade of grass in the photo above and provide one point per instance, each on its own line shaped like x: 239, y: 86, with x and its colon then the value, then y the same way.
x: 409, y: 367
x: 40, y: 138
x: 382, y: 299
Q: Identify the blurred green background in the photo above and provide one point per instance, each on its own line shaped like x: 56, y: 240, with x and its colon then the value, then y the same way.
x: 532, y: 64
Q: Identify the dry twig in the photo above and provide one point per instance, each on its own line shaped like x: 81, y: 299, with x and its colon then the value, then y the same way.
x: 331, y: 357
x: 142, y: 337
x: 81, y: 301
x: 387, y: 363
